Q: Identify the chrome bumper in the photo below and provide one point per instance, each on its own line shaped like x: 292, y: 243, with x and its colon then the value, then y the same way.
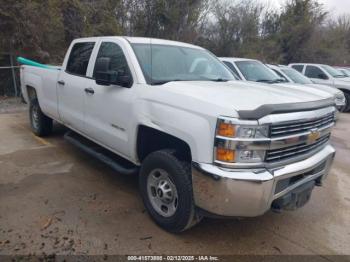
x: 249, y: 193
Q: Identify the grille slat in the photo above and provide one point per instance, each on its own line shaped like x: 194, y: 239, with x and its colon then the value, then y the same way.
x: 293, y: 151
x: 330, y: 118
x: 290, y: 128
x: 306, y: 128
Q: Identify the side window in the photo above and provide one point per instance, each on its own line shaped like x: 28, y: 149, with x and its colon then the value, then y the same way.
x: 232, y: 68
x: 116, y: 56
x: 314, y: 72
x: 79, y: 58
x: 298, y: 68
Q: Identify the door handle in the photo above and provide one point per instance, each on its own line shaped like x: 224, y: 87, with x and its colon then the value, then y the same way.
x: 61, y: 82
x: 89, y: 90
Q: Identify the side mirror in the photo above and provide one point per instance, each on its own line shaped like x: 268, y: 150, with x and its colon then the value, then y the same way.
x: 105, y: 76
x: 322, y: 76
x: 124, y: 80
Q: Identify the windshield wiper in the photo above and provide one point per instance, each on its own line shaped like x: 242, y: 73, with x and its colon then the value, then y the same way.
x: 279, y: 80
x: 339, y: 76
x: 274, y: 81
x: 263, y: 81
x: 219, y: 80
x: 162, y: 82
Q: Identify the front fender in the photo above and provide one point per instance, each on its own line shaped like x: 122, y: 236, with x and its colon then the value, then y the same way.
x: 197, y: 130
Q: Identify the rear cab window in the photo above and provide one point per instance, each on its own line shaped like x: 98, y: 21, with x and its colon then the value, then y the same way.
x: 79, y: 57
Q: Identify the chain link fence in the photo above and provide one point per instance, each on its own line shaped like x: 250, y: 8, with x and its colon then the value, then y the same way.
x: 9, y: 76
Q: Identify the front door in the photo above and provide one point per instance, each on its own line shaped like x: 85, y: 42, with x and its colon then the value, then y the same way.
x: 317, y: 75
x: 109, y: 108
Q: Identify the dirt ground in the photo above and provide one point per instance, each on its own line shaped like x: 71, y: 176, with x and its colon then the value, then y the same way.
x: 56, y: 199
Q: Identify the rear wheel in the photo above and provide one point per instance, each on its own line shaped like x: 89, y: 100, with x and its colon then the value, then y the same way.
x: 166, y: 190
x: 41, y: 124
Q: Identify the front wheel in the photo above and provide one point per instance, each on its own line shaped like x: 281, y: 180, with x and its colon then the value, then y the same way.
x: 166, y: 190
x: 41, y: 124
x: 346, y: 107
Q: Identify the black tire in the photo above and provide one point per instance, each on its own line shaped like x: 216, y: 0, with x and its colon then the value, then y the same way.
x: 180, y: 175
x: 347, y: 102
x: 41, y: 124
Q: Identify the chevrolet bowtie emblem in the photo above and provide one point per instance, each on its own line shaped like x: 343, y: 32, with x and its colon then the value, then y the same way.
x: 313, y: 136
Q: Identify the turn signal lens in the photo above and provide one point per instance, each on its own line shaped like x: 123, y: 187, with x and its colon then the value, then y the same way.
x: 227, y: 130
x: 225, y: 155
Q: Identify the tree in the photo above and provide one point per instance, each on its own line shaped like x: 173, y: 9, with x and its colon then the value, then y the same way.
x: 31, y: 27
x: 177, y: 20
x: 233, y: 28
x: 298, y: 23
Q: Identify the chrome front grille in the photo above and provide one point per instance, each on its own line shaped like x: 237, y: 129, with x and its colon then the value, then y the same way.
x: 296, y: 127
x: 295, y: 150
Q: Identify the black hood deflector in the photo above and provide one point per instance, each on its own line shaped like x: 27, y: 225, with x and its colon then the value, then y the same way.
x: 264, y: 110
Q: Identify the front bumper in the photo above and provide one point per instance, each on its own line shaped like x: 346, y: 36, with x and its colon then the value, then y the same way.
x: 249, y: 192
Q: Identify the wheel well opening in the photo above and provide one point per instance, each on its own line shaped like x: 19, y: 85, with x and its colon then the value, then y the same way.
x: 150, y: 140
x: 31, y: 92
x: 344, y: 90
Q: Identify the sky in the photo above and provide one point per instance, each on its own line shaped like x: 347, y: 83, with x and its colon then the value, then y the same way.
x: 335, y: 7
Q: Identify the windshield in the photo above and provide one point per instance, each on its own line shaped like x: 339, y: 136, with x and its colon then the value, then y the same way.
x: 333, y: 72
x: 345, y: 71
x: 296, y: 76
x: 257, y: 72
x: 164, y: 63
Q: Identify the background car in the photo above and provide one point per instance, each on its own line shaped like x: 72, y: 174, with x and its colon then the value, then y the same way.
x: 293, y: 76
x: 344, y: 70
x: 256, y: 71
x: 325, y: 75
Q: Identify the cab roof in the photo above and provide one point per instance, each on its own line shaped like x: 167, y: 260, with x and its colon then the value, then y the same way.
x: 140, y: 40
x: 235, y: 59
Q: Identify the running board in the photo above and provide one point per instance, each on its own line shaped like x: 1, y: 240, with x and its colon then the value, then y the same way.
x: 114, y: 161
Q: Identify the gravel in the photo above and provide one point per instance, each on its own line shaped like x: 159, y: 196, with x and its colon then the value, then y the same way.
x: 11, y: 105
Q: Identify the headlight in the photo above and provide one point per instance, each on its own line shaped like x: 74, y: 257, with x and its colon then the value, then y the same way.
x: 242, y: 129
x: 233, y: 140
x: 339, y: 99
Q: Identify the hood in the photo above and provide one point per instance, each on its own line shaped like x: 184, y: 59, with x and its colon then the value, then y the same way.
x: 331, y: 90
x: 306, y: 88
x: 239, y: 95
x: 342, y: 81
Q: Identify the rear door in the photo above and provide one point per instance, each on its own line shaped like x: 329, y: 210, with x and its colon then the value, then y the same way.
x: 72, y: 84
x: 109, y: 108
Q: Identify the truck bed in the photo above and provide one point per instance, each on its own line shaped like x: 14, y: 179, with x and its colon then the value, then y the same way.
x: 45, y: 82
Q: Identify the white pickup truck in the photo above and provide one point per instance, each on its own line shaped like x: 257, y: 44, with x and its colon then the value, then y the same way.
x: 202, y: 143
x: 326, y: 75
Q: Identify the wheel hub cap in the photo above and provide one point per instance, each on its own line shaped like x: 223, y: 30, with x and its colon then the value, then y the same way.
x: 162, y: 193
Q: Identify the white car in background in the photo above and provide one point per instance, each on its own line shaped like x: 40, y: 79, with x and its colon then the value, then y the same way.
x: 255, y: 71
x: 325, y: 75
x: 344, y: 70
x: 290, y: 75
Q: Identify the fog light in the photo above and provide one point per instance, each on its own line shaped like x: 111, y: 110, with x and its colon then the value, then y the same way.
x: 249, y: 156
